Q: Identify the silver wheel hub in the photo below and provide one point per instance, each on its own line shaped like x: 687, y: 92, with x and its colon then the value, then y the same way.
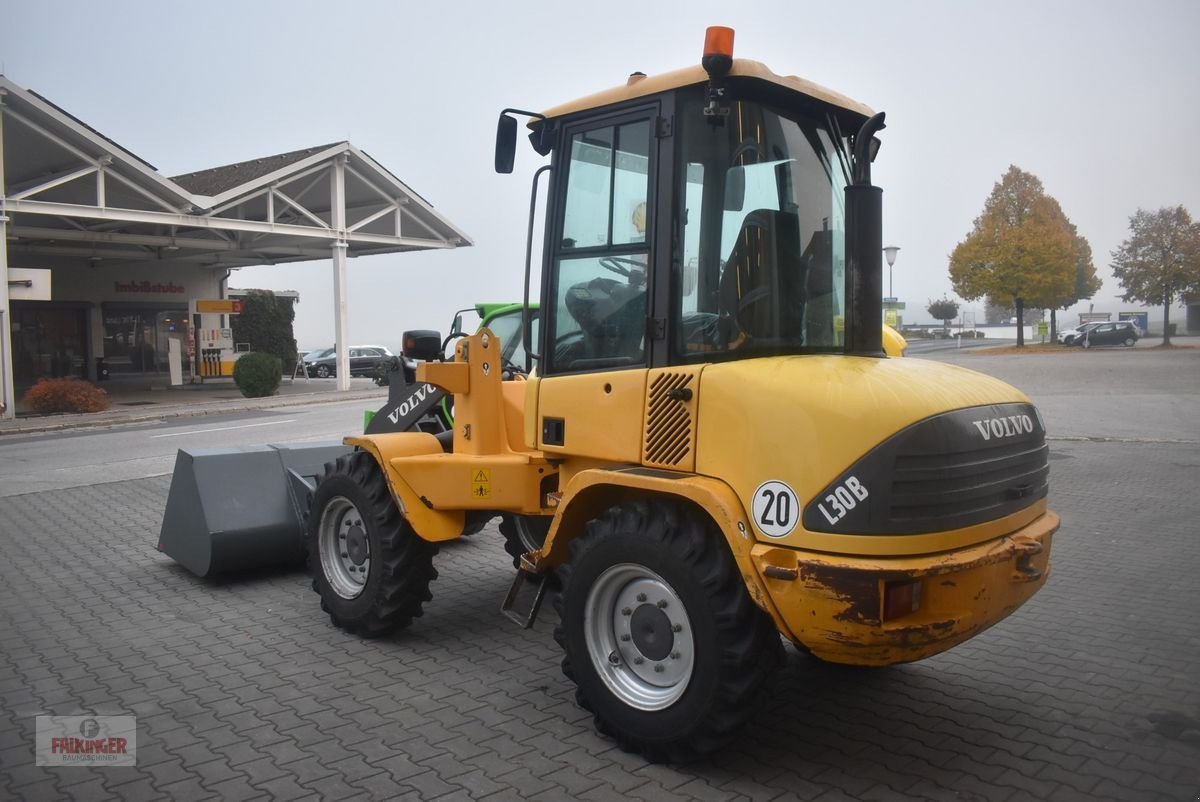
x: 639, y: 637
x: 344, y: 548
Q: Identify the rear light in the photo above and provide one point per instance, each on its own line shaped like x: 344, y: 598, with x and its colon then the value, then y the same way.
x: 901, y: 599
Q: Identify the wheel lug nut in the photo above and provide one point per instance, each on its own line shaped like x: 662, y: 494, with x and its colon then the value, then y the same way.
x: 614, y: 658
x: 637, y: 661
x: 344, y: 555
x: 626, y: 611
x: 625, y: 638
x: 674, y: 655
x: 658, y: 668
x: 641, y: 597
x: 662, y: 604
x: 677, y: 628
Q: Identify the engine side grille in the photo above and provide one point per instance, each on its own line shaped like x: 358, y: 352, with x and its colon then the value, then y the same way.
x: 947, y: 491
x: 670, y: 422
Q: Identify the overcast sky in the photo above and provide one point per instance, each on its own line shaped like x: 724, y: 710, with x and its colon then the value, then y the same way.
x: 1098, y: 99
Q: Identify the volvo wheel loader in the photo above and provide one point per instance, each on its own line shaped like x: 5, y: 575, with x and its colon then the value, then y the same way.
x: 708, y: 437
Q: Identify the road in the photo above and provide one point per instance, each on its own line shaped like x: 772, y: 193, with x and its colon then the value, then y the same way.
x: 1070, y: 392
x: 77, y: 458
x: 243, y: 689
x: 1130, y: 395
x: 926, y: 347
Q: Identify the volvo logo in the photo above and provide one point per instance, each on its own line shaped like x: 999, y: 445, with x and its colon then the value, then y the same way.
x: 411, y: 403
x: 1008, y: 426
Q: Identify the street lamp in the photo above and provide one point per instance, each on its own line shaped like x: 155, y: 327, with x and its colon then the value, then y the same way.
x: 890, y: 253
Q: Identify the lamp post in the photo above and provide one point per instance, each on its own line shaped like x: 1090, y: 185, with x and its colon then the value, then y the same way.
x: 890, y: 252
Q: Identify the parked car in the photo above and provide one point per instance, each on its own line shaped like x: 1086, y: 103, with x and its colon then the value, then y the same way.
x: 1119, y: 332
x: 363, y: 358
x: 1067, y: 336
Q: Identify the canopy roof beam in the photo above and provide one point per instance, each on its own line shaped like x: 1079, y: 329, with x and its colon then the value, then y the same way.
x: 217, y: 224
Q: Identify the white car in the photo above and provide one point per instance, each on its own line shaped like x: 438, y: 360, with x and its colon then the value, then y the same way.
x: 1069, y: 336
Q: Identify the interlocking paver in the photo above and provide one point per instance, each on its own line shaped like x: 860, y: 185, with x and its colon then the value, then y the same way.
x: 243, y: 689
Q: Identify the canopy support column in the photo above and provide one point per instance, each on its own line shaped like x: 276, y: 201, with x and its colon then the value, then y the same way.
x: 337, y: 210
x: 8, y: 401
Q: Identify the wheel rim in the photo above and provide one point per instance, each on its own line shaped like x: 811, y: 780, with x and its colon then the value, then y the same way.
x: 322, y: 372
x: 639, y: 637
x: 345, y: 548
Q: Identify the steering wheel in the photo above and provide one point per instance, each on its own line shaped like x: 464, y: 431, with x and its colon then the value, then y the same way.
x: 630, y: 268
x: 512, y: 370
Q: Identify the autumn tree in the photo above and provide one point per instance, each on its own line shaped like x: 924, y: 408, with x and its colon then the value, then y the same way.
x: 943, y: 309
x: 1087, y: 283
x: 1160, y: 262
x: 1021, y: 249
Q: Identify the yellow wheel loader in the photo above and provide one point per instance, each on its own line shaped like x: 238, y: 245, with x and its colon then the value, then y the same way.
x: 708, y: 438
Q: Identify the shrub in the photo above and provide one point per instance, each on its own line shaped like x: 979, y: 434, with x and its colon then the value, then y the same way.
x: 65, y: 395
x: 266, y: 324
x: 257, y: 374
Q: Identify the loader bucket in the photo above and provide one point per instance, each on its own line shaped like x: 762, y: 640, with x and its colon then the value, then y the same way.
x: 232, y: 510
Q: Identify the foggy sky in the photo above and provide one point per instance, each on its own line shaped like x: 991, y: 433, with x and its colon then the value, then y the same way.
x: 1098, y: 99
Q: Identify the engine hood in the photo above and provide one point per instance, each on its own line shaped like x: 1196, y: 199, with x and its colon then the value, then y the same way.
x: 783, y: 431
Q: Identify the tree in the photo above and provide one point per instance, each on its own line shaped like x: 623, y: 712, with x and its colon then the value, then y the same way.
x: 1021, y: 249
x: 1160, y: 262
x: 266, y: 323
x: 943, y: 309
x: 1087, y: 283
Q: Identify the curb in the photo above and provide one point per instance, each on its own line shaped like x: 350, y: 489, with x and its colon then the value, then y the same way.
x: 104, y: 420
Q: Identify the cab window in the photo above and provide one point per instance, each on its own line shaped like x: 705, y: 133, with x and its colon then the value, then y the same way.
x: 597, y: 314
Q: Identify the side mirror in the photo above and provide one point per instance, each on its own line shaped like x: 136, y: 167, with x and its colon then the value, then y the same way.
x: 506, y: 143
x: 422, y: 344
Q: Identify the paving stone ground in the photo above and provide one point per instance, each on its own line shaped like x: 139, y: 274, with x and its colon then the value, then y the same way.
x: 243, y: 690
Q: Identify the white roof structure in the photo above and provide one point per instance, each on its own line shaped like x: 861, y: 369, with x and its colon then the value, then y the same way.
x: 68, y: 191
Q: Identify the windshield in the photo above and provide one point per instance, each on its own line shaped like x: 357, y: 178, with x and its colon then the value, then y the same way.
x: 760, y: 262
x: 507, y: 326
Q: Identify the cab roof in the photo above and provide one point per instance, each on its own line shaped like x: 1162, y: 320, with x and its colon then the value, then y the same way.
x: 641, y: 86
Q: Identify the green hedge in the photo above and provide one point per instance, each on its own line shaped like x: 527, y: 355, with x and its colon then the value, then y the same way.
x: 257, y: 374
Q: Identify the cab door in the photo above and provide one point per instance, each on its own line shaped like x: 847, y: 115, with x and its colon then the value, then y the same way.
x: 599, y: 285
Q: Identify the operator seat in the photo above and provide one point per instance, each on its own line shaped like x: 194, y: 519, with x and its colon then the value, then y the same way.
x: 612, y: 316
x: 761, y: 290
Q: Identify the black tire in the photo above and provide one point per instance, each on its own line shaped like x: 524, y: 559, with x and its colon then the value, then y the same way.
x: 523, y: 534
x: 667, y: 571
x: 352, y: 506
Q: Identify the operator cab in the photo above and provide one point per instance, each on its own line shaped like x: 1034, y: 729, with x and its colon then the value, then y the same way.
x: 700, y: 217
